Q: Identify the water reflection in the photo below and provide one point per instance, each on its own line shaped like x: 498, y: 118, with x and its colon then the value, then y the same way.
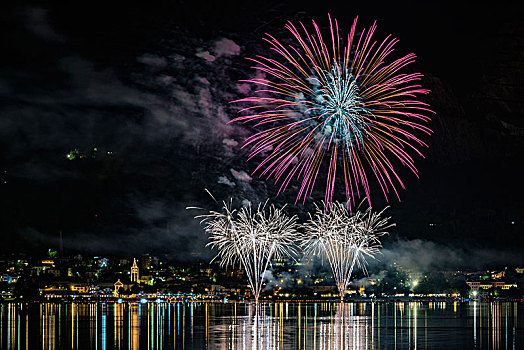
x: 322, y: 326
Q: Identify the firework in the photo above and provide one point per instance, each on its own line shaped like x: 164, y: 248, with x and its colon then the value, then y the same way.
x: 251, y: 238
x: 346, y: 240
x: 326, y: 102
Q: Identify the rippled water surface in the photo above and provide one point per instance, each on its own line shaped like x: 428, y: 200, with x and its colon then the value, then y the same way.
x: 401, y: 325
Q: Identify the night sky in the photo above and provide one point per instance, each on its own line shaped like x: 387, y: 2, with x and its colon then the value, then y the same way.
x: 138, y: 97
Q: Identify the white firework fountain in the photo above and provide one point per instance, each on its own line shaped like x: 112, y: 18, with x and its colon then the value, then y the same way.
x: 251, y: 237
x: 344, y: 239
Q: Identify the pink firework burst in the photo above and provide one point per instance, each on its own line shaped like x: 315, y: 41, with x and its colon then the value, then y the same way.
x: 340, y: 102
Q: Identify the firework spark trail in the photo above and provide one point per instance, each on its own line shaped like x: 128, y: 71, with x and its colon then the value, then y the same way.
x: 346, y: 240
x: 251, y: 238
x: 337, y: 100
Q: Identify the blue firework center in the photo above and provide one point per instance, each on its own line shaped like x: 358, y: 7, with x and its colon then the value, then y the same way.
x: 338, y: 106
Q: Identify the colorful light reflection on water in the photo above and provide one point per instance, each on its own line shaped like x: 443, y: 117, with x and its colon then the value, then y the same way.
x: 322, y: 326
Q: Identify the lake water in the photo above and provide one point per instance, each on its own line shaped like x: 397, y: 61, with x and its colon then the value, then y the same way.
x: 323, y: 326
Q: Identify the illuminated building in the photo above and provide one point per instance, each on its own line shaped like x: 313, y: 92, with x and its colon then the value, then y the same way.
x: 475, y: 285
x: 118, y: 285
x: 37, y: 270
x: 149, y: 262
x: 134, y: 272
x: 79, y: 288
x: 146, y: 280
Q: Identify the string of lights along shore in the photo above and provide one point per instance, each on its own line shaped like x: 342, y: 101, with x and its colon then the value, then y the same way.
x: 330, y: 100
